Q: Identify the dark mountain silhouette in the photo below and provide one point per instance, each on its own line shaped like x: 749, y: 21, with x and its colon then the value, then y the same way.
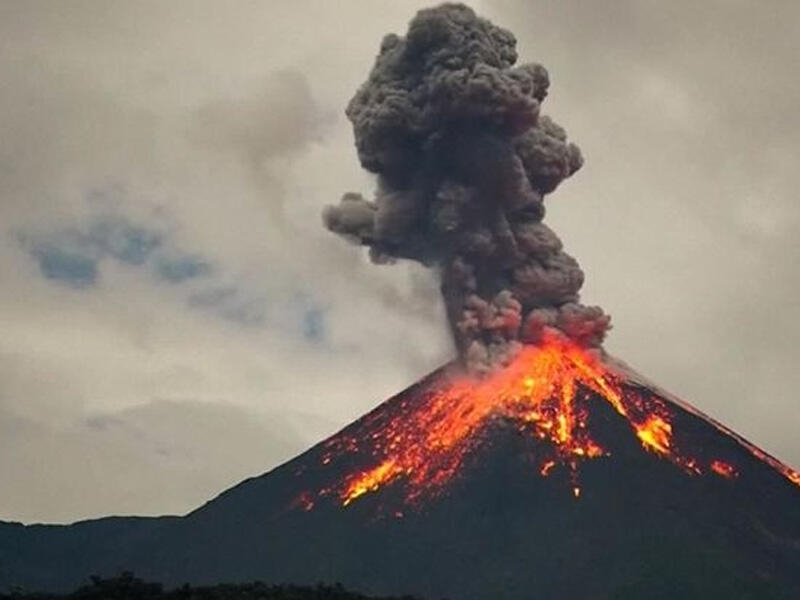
x: 615, y: 491
x: 127, y: 586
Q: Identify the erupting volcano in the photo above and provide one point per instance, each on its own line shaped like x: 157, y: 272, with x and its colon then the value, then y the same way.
x: 535, y: 465
x: 453, y: 131
x: 464, y: 158
x: 564, y: 474
x: 546, y: 393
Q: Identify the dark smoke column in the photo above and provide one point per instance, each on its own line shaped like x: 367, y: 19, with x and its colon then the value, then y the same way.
x: 452, y: 130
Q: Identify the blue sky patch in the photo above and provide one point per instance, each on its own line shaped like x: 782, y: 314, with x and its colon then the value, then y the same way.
x: 180, y: 268
x: 66, y: 266
x: 130, y: 243
x: 314, y: 324
x: 75, y: 255
x: 230, y: 303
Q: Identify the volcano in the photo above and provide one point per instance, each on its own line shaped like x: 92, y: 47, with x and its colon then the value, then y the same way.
x: 535, y: 466
x: 564, y: 475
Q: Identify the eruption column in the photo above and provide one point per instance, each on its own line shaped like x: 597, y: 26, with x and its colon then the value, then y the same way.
x: 463, y: 158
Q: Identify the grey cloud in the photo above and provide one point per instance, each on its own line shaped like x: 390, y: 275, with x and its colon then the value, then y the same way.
x: 165, y: 456
x: 228, y: 122
x: 279, y: 121
x: 264, y: 130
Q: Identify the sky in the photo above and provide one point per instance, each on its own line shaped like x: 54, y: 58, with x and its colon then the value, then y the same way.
x: 175, y: 318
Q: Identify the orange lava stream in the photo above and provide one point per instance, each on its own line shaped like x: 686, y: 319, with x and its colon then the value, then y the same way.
x: 724, y: 469
x: 540, y: 393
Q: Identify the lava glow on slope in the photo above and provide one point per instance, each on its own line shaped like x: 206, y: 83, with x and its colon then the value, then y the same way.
x: 545, y: 393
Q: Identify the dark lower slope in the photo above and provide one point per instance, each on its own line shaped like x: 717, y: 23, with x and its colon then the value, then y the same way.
x: 642, y: 527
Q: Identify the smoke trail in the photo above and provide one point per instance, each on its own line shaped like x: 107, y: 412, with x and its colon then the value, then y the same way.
x: 452, y: 130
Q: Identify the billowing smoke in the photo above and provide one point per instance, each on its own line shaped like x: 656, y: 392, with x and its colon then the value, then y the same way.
x: 463, y: 157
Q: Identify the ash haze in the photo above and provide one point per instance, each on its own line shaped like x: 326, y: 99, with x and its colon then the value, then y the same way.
x: 174, y: 318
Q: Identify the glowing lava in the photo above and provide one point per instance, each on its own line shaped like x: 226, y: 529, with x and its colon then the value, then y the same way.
x: 546, y: 393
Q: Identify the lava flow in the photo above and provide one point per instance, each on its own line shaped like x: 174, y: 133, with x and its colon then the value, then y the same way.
x: 546, y: 392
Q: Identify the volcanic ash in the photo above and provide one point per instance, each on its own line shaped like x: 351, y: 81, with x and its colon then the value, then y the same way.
x: 463, y: 158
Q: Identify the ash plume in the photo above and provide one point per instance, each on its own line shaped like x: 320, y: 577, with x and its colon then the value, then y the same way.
x: 463, y: 159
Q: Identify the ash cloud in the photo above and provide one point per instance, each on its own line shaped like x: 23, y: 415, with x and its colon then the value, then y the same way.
x: 463, y: 158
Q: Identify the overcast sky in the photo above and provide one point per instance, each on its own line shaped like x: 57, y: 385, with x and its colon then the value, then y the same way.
x: 174, y: 318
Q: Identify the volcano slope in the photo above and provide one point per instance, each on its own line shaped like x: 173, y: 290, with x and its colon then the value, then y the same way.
x: 564, y: 475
